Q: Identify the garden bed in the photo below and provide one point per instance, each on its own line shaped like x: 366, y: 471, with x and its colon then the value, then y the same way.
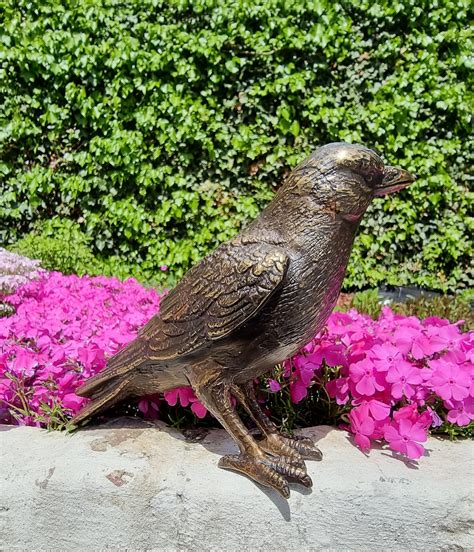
x: 387, y: 379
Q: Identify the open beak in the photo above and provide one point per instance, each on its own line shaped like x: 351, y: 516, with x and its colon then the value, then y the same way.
x: 394, y: 179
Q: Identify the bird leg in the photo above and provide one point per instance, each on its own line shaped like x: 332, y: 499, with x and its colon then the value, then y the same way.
x: 274, y: 441
x: 264, y: 467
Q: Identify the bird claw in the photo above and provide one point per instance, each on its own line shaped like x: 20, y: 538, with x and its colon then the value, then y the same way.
x: 268, y: 470
x: 296, y: 447
x: 305, y: 447
x: 276, y: 446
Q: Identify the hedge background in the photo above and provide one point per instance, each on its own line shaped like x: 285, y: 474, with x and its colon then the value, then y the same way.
x: 141, y: 133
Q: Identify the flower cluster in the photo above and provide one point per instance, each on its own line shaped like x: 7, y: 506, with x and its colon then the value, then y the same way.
x: 63, y: 331
x: 15, y: 271
x: 393, y: 376
x: 393, y: 373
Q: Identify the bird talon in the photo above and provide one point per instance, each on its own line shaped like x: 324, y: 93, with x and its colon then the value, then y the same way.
x: 305, y: 447
x: 259, y: 469
x: 291, y: 472
x: 295, y: 449
x: 276, y: 447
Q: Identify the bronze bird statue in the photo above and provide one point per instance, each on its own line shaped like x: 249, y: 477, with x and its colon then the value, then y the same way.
x: 252, y: 303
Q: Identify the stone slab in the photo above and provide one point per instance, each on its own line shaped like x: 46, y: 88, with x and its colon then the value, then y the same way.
x: 132, y: 485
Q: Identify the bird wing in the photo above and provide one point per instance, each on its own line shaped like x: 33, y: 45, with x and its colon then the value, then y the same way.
x: 215, y: 298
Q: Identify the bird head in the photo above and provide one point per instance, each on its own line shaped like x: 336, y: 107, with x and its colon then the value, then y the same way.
x: 347, y: 177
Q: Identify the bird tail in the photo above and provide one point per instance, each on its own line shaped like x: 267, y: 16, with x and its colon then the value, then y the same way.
x: 102, y: 400
x: 120, y: 364
x: 112, y: 384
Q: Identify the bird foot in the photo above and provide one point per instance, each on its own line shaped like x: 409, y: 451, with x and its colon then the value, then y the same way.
x: 268, y: 470
x: 293, y: 447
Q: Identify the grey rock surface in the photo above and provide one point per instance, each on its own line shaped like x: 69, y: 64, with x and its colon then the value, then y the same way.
x: 136, y: 486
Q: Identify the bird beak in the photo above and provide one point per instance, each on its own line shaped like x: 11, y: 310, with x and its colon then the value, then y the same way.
x: 394, y: 179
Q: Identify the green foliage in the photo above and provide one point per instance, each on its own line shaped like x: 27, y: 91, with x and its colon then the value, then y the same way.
x: 6, y: 309
x: 60, y: 245
x: 449, y: 307
x: 163, y: 127
x: 367, y: 302
x: 456, y: 432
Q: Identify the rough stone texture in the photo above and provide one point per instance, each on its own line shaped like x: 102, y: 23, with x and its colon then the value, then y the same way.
x: 139, y: 486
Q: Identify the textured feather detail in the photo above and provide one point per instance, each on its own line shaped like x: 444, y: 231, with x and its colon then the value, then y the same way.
x: 214, y: 299
x: 124, y: 361
x: 112, y: 394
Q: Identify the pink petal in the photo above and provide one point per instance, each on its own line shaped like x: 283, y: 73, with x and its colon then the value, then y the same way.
x: 367, y: 426
x: 185, y: 394
x: 72, y: 401
x: 398, y: 445
x: 274, y: 386
x: 171, y: 397
x: 463, y: 419
x: 414, y: 377
x: 362, y: 441
x: 143, y: 406
x: 378, y: 409
x: 458, y: 392
x: 397, y: 391
x: 405, y: 426
x: 199, y: 409
x: 417, y: 351
x: 297, y: 391
x: 414, y: 450
x: 391, y: 433
x: 365, y: 386
x: 418, y: 433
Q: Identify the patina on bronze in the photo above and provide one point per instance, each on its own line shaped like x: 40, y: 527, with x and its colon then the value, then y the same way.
x: 252, y: 303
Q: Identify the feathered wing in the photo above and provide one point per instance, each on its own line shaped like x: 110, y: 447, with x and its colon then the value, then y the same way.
x: 215, y: 298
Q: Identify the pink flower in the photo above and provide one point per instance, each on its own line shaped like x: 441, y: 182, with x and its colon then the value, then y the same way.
x: 24, y: 363
x: 443, y: 337
x: 298, y: 391
x: 410, y: 412
x: 304, y: 369
x: 338, y: 389
x: 66, y: 327
x: 377, y: 409
x: 449, y: 381
x: 186, y: 396
x: 460, y: 412
x: 405, y: 436
x: 385, y: 356
x: 362, y: 373
x: 404, y: 378
x: 63, y: 330
x: 362, y: 425
x: 183, y: 394
x: 73, y: 402
x: 331, y: 353
x: 91, y: 357
x: 149, y: 407
x: 274, y: 386
x: 413, y: 340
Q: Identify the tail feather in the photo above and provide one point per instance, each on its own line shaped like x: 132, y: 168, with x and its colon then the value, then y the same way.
x: 124, y: 361
x: 102, y: 401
